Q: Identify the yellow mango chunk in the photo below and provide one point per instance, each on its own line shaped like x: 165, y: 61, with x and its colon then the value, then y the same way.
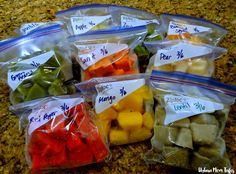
x: 145, y: 92
x: 130, y: 120
x: 140, y: 135
x: 132, y: 102
x: 118, y: 137
x: 118, y: 107
x: 148, y: 120
x: 108, y: 114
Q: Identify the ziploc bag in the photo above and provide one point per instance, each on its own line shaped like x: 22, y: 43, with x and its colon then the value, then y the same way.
x: 185, y: 56
x: 192, y: 28
x: 190, y: 116
x: 128, y: 17
x: 60, y: 133
x: 33, y: 66
x: 107, y: 53
x: 124, y: 106
x: 84, y: 18
x: 33, y: 26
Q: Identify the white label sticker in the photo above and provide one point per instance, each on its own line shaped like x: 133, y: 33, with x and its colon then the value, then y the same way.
x: 128, y: 21
x: 113, y: 92
x: 180, y: 107
x: 50, y: 110
x: 179, y: 52
x: 27, y: 28
x: 15, y: 78
x: 89, y: 54
x: 179, y: 28
x: 84, y: 24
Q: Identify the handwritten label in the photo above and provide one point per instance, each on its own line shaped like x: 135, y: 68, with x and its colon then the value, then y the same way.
x: 29, y: 27
x: 29, y: 66
x: 129, y: 21
x: 179, y: 52
x: 113, y: 92
x: 179, y: 28
x: 50, y: 110
x: 84, y: 24
x: 180, y: 107
x: 89, y: 54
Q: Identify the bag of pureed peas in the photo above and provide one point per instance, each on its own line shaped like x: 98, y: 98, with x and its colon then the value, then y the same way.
x: 33, y: 65
x: 190, y: 117
x: 124, y: 106
x: 60, y: 133
x: 107, y: 53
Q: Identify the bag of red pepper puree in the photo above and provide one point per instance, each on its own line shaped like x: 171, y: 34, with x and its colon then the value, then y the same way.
x: 195, y: 29
x: 107, y: 53
x: 34, y: 66
x: 60, y: 133
x: 123, y: 105
x: 190, y: 117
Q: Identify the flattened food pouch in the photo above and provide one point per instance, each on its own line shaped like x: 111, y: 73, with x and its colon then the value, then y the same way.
x: 34, y: 67
x: 190, y: 116
x: 124, y: 106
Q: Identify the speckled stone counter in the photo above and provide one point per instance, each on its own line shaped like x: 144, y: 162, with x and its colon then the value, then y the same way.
x: 125, y: 159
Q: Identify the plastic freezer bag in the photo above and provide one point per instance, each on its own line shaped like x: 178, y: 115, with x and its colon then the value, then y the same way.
x: 185, y: 56
x: 33, y: 26
x: 107, y: 53
x: 33, y: 66
x: 124, y: 106
x: 84, y: 18
x: 128, y: 17
x: 60, y: 133
x: 192, y: 28
x: 190, y: 117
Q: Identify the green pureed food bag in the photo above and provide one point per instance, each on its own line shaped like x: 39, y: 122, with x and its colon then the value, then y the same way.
x: 33, y: 66
x: 190, y: 117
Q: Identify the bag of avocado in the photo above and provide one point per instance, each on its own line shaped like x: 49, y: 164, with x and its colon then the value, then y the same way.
x: 33, y: 66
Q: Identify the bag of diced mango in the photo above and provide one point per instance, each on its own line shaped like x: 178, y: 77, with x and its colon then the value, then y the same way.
x: 123, y: 106
x: 183, y: 55
x: 107, y: 53
x: 179, y: 27
x: 190, y: 117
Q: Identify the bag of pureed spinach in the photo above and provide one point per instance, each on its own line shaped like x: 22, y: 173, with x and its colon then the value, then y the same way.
x: 33, y: 66
x: 84, y: 18
x: 191, y: 28
x: 190, y: 117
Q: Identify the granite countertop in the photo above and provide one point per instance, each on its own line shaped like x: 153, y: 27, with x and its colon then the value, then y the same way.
x: 128, y: 158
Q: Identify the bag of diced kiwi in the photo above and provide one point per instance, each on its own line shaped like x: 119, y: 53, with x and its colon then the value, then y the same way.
x: 33, y: 66
x: 106, y: 53
x: 183, y: 55
x: 190, y: 116
x: 60, y: 133
x: 85, y: 18
x: 123, y: 105
x: 27, y: 28
x: 179, y: 27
